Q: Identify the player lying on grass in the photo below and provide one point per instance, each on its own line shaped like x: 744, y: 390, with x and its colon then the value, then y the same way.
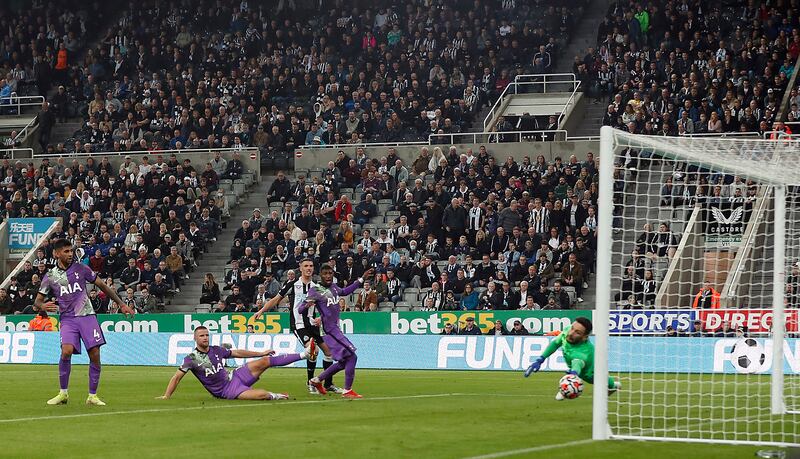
x: 67, y: 281
x: 578, y: 353
x: 325, y: 297
x: 208, y: 365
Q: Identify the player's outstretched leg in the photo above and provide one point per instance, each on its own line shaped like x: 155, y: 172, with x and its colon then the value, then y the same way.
x: 94, y: 377
x: 64, y: 369
x: 261, y: 394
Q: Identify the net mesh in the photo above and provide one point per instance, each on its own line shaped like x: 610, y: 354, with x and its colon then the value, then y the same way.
x: 691, y: 301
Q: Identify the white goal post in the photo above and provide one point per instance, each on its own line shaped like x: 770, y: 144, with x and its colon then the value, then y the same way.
x: 698, y: 265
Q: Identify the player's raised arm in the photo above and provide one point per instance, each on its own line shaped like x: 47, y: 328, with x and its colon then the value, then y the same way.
x: 548, y: 351
x: 268, y: 305
x: 173, y: 384
x: 113, y: 296
x: 358, y: 283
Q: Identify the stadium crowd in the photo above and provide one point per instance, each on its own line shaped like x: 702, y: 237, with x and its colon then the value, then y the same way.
x: 449, y: 231
x: 141, y: 227
x: 691, y: 67
x: 232, y: 74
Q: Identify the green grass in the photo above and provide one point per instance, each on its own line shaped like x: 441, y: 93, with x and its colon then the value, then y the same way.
x: 487, y: 412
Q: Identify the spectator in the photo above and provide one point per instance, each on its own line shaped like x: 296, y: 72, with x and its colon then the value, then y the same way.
x: 41, y: 322
x: 470, y: 328
x: 497, y: 330
x: 706, y: 298
x: 210, y: 290
x: 367, y: 299
x: 518, y: 329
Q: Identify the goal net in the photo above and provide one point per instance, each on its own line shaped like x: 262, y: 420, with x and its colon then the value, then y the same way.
x: 697, y: 274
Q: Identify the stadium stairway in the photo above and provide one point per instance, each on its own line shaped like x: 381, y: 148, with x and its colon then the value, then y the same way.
x: 215, y: 260
x: 581, y: 41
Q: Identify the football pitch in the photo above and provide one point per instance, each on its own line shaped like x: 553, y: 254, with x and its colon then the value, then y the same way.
x: 449, y: 414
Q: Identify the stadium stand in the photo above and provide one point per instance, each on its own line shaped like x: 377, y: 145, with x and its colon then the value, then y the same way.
x: 141, y: 225
x: 235, y: 71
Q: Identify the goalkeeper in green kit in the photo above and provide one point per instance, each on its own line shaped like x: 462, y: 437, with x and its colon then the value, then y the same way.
x: 578, y: 353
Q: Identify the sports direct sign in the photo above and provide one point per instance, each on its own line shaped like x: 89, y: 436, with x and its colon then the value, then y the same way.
x: 754, y: 320
x: 649, y: 321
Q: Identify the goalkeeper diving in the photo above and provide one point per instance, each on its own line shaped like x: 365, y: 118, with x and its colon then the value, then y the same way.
x: 578, y: 353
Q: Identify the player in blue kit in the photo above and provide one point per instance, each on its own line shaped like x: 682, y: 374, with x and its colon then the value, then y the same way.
x: 67, y: 281
x: 325, y: 298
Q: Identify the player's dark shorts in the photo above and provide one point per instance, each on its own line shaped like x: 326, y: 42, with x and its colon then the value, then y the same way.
x: 307, y: 333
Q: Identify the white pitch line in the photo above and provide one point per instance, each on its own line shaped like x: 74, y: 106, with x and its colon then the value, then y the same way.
x: 533, y: 449
x: 218, y: 407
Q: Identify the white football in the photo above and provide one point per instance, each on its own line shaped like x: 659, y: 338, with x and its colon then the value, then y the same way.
x: 748, y: 356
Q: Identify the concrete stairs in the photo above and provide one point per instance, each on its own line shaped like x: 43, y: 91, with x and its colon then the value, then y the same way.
x: 215, y: 260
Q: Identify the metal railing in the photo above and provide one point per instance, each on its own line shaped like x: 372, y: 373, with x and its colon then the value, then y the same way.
x: 721, y: 134
x: 16, y: 153
x: 20, y: 101
x: 527, y: 84
x: 363, y: 145
x: 152, y: 154
x: 499, y: 137
x: 733, y: 282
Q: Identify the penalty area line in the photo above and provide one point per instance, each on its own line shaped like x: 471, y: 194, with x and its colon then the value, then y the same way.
x: 219, y: 407
x: 533, y: 449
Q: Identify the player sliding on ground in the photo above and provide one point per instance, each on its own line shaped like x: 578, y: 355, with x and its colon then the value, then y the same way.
x: 67, y: 282
x: 302, y: 324
x: 578, y: 353
x: 208, y: 365
x: 325, y: 296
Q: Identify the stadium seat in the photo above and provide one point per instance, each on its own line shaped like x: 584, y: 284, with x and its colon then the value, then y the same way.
x: 386, y: 306
x: 403, y: 308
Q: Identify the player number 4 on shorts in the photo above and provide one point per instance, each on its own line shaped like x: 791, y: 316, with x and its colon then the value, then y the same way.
x: 96, y: 335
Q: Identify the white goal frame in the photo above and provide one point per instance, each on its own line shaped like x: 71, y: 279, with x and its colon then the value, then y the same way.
x: 601, y: 429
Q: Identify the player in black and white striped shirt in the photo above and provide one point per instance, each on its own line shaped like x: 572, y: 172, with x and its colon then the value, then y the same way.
x: 303, y: 325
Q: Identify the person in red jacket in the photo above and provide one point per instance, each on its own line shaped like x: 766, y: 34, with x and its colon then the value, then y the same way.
x: 343, y: 208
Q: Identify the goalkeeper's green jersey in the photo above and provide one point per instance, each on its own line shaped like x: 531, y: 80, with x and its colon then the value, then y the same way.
x: 579, y: 357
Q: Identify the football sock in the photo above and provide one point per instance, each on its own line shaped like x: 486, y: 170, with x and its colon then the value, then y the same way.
x: 350, y: 372
x: 325, y: 365
x: 64, y: 368
x: 283, y: 360
x: 94, y: 377
x: 311, y: 367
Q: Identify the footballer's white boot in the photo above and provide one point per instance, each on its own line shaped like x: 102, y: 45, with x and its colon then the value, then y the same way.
x: 93, y: 399
x: 617, y: 386
x: 312, y: 390
x: 61, y: 399
x: 278, y: 396
x: 559, y: 396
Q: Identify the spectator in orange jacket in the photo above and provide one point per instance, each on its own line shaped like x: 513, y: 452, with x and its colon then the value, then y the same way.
x: 706, y: 298
x: 41, y: 322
